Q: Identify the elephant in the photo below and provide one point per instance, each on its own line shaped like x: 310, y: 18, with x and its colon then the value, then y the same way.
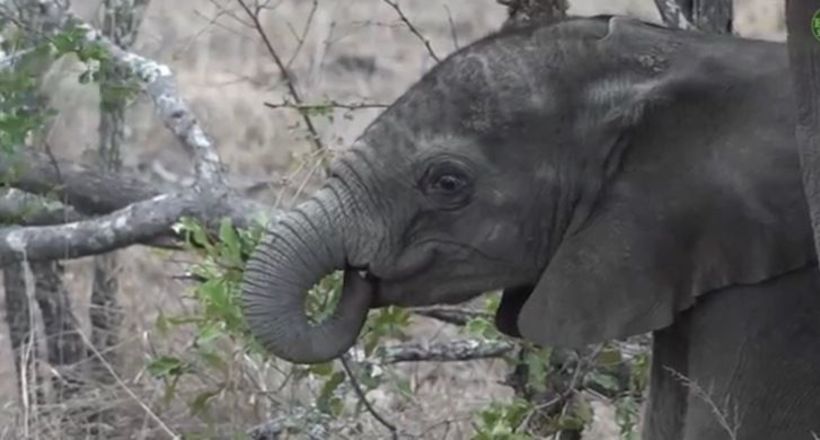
x: 611, y: 177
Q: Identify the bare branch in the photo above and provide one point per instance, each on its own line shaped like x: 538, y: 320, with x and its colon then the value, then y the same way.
x: 709, y: 16
x: 300, y: 38
x: 289, y: 83
x: 332, y: 104
x: 22, y: 208
x: 90, y: 191
x: 137, y: 222
x: 452, y: 315
x: 452, y: 351
x: 312, y: 424
x: 727, y: 414
x: 362, y: 398
x: 159, y: 83
x: 673, y: 15
x: 410, y: 26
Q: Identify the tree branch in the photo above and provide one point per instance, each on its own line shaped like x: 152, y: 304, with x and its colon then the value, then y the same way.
x: 90, y: 191
x: 706, y: 15
x: 283, y: 69
x: 160, y: 84
x: 394, y: 434
x: 674, y: 15
x: 137, y: 222
x: 21, y: 208
x: 158, y: 81
x: 452, y: 351
x: 413, y: 29
x: 451, y: 315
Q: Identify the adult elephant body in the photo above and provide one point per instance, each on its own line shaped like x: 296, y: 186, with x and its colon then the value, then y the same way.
x: 614, y: 177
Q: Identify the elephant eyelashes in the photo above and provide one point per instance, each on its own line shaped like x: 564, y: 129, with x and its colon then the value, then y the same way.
x: 447, y: 184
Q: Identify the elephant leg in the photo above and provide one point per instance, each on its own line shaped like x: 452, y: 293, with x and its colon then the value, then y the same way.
x: 743, y: 362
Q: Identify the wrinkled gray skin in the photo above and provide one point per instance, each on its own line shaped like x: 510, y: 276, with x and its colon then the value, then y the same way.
x: 614, y: 178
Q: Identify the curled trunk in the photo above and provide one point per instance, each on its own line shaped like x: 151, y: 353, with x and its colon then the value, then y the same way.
x: 295, y: 254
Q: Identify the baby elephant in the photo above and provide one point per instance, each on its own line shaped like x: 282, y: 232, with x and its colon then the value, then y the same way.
x: 615, y: 178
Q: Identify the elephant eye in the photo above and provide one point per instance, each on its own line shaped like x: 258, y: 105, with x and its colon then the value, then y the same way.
x: 448, y: 184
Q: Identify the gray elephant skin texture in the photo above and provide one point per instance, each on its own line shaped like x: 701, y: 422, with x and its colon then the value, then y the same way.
x: 612, y: 177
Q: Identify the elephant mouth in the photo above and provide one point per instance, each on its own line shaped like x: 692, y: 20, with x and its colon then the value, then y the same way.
x: 404, y: 291
x: 373, y: 283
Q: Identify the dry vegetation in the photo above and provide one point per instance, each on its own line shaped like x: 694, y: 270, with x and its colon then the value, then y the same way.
x: 348, y: 51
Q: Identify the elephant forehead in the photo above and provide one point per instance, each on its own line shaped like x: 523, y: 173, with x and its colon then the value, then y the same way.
x: 494, y: 88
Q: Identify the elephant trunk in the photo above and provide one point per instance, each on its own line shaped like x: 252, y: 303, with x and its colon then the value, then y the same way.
x: 301, y: 248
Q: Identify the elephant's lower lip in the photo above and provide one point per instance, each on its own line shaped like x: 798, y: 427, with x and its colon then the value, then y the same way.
x: 375, y: 282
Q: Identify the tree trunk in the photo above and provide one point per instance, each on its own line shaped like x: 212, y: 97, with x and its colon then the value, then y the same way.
x: 22, y: 332
x: 63, y: 342
x: 121, y: 20
x: 43, y: 285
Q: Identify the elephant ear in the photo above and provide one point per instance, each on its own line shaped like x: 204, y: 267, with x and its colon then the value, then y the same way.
x: 698, y: 202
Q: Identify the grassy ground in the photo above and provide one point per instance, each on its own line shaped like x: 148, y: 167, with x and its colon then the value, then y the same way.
x: 353, y: 51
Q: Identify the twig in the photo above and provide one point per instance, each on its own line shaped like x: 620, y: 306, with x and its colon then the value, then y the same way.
x: 302, y: 107
x: 300, y: 39
x: 125, y: 388
x: 721, y: 415
x: 395, y: 5
x: 289, y: 83
x: 358, y: 389
x: 453, y: 33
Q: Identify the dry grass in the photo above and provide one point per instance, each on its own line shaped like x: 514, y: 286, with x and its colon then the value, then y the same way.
x: 353, y: 51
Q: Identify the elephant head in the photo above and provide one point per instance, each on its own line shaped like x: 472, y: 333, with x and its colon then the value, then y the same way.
x: 598, y: 170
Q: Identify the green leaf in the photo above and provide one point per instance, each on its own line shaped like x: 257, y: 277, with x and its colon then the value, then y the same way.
x: 323, y: 402
x: 604, y: 380
x: 323, y: 369
x: 162, y: 324
x: 209, y: 333
x: 538, y: 367
x: 403, y: 386
x: 230, y: 240
x: 165, y: 366
x: 609, y: 357
x: 200, y: 403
